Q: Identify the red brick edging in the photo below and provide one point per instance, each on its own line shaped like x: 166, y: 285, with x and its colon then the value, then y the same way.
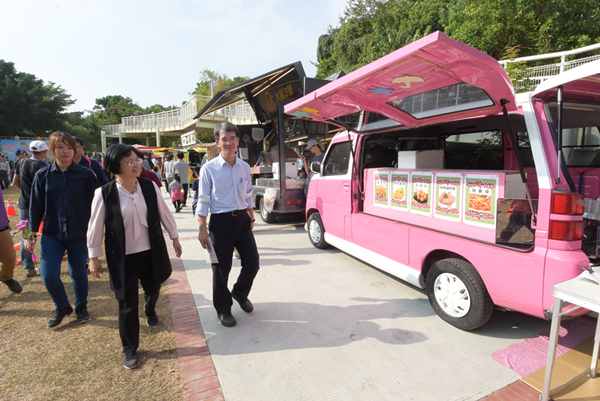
x: 196, y: 368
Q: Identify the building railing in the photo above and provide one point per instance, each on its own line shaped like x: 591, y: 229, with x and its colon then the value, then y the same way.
x: 533, y: 76
x: 180, y: 117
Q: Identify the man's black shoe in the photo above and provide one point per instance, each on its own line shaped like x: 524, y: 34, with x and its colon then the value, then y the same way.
x: 83, y: 315
x: 59, y: 315
x: 245, y: 305
x: 227, y: 320
x: 13, y: 285
x: 130, y: 360
x: 152, y: 317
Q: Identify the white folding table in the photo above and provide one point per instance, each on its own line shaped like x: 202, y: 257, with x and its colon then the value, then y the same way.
x: 582, y: 294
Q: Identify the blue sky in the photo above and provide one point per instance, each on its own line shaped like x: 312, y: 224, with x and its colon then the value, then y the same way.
x: 153, y: 51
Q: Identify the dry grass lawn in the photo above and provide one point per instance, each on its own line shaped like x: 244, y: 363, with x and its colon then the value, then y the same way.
x: 80, y: 362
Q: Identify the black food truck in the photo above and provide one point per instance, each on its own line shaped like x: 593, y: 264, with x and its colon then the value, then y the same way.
x: 273, y: 147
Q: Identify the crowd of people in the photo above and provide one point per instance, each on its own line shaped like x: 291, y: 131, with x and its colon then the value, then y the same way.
x: 81, y: 204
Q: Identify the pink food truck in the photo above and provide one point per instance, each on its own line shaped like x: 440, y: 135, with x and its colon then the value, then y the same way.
x: 446, y: 179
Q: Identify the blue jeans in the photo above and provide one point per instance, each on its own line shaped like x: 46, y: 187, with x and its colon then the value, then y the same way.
x: 25, y: 256
x: 51, y: 254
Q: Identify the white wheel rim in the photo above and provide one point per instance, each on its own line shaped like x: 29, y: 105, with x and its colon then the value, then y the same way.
x: 452, y: 295
x: 315, y: 231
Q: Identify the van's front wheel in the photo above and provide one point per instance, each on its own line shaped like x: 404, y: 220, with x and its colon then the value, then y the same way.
x: 316, y: 231
x: 458, y: 295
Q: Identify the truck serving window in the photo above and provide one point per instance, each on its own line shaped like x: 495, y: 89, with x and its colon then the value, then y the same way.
x: 475, y: 151
x: 337, y: 162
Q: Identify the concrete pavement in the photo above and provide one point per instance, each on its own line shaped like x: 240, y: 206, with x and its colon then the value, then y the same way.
x: 327, y: 326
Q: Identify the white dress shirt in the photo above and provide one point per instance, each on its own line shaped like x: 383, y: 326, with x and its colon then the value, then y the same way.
x: 133, y: 211
x: 224, y: 188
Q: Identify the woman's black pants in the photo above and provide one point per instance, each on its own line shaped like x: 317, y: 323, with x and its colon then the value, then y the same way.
x: 137, y: 267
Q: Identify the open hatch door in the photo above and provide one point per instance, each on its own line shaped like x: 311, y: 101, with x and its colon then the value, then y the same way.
x: 264, y: 93
x: 431, y: 80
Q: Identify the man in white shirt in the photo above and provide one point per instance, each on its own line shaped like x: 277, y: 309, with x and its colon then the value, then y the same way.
x: 226, y: 191
x: 181, y: 167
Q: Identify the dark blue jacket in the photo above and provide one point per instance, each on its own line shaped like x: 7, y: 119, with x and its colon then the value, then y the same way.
x: 95, y: 166
x: 64, y: 200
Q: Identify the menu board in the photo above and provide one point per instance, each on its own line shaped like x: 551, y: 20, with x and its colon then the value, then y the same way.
x: 481, y: 197
x: 400, y: 191
x: 420, y: 193
x: 381, y: 188
x: 448, y: 201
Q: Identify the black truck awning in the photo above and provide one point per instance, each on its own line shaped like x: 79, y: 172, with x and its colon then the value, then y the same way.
x: 264, y: 93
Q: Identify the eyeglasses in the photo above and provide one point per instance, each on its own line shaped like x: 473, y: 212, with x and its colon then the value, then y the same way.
x: 134, y: 162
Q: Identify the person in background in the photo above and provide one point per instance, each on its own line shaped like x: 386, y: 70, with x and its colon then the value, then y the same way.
x: 181, y: 167
x: 176, y: 195
x: 61, y: 196
x: 169, y: 171
x: 195, y: 188
x: 7, y: 251
x: 21, y: 155
x: 149, y: 175
x: 128, y: 213
x: 4, y: 170
x: 81, y: 159
x: 147, y: 163
x: 317, y: 156
x: 158, y: 174
x: 23, y: 179
x: 226, y: 192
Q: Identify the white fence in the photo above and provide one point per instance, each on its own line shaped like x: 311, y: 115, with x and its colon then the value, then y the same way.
x: 535, y: 75
x: 240, y: 111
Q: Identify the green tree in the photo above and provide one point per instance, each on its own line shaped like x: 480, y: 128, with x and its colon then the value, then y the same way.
x: 221, y: 81
x: 27, y: 105
x: 370, y: 29
x: 537, y: 27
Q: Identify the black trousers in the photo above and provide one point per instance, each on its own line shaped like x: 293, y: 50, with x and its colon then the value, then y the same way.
x: 228, y: 231
x: 136, y: 266
x: 185, y: 193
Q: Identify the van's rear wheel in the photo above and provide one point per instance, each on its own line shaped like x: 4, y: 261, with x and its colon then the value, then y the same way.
x: 264, y: 214
x: 458, y: 295
x: 316, y: 231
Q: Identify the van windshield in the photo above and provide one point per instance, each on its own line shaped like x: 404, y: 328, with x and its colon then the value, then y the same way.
x: 581, y: 133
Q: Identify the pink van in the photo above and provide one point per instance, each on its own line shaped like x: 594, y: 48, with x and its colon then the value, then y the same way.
x: 447, y: 180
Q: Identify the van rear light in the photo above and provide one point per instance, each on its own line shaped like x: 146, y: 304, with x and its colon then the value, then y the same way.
x: 566, y: 230
x: 567, y: 203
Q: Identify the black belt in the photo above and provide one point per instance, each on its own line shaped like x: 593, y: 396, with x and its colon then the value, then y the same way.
x: 231, y: 214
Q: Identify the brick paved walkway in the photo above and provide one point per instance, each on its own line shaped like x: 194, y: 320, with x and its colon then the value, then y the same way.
x: 196, y: 367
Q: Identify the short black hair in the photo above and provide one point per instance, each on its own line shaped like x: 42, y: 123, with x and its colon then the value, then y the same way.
x: 227, y: 127
x: 180, y: 155
x: 78, y: 140
x: 115, y: 153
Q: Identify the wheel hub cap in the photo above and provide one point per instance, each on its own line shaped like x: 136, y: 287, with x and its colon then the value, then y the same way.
x: 315, y: 231
x: 452, y: 295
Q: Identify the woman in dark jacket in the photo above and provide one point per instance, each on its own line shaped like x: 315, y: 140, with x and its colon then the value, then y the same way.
x: 128, y: 213
x: 61, y: 195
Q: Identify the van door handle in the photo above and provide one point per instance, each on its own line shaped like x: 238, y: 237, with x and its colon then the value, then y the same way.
x: 345, y: 187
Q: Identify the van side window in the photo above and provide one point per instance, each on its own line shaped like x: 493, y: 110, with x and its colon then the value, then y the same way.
x: 338, y: 159
x: 475, y: 151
